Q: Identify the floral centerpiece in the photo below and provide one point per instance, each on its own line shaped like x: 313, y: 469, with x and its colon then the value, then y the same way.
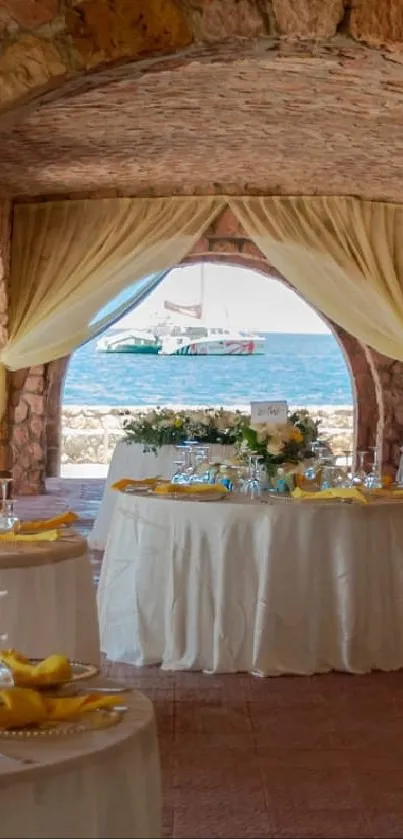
x: 286, y: 445
x: 164, y: 426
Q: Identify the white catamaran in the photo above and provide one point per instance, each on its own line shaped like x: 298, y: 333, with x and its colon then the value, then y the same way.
x: 189, y: 336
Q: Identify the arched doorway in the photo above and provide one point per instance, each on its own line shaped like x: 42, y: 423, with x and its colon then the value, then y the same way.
x: 36, y: 423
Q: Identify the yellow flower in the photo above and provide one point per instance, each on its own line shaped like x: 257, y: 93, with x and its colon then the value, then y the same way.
x: 178, y: 422
x: 274, y: 446
x: 296, y: 435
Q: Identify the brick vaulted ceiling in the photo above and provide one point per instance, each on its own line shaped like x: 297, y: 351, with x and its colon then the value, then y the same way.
x: 184, y: 96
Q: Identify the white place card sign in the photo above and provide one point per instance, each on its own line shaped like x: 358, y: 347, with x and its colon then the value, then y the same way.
x: 269, y: 412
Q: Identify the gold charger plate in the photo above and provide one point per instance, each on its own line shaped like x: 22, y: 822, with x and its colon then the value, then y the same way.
x: 89, y: 721
x: 80, y: 671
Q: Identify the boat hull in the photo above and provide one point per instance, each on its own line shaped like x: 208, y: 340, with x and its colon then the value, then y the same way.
x: 128, y: 350
x: 235, y: 347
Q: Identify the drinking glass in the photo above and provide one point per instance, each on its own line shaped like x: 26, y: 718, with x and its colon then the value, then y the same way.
x: 185, y: 453
x: 332, y: 476
x: 373, y: 479
x: 7, y: 518
x: 348, y: 467
x: 201, y: 464
x: 178, y: 476
x: 6, y: 676
x: 251, y: 486
x: 359, y: 475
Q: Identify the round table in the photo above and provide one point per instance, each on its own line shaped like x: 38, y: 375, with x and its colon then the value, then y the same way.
x: 103, y: 783
x: 50, y: 602
x: 131, y: 461
x: 226, y: 586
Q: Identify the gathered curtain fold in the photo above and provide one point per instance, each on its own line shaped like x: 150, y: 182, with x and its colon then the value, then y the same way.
x: 344, y: 256
x: 70, y: 258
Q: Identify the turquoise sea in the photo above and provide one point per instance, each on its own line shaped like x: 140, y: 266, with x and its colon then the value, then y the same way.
x: 303, y: 369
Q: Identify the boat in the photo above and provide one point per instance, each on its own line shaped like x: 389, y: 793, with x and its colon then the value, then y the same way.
x: 136, y: 342
x: 189, y: 333
x: 193, y: 336
x: 204, y: 340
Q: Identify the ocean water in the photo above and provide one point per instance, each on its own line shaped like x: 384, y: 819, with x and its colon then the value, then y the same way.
x: 303, y: 369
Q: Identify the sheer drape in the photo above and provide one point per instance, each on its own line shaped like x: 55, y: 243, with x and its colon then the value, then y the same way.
x: 70, y: 258
x: 345, y: 256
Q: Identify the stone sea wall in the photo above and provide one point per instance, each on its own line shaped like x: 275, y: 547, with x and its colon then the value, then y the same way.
x: 90, y: 433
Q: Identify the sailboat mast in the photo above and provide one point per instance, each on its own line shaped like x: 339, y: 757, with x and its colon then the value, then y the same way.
x: 201, y: 290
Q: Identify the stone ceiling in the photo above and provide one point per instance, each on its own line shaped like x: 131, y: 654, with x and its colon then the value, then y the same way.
x: 285, y: 96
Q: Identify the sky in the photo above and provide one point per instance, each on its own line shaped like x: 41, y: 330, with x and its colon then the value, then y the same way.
x: 236, y: 297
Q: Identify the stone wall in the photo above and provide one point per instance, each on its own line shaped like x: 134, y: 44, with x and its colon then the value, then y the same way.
x: 50, y: 44
x: 90, y: 433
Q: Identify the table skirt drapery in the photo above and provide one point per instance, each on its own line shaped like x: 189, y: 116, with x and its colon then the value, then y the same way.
x: 131, y: 461
x: 272, y: 589
x: 104, y: 783
x: 51, y: 607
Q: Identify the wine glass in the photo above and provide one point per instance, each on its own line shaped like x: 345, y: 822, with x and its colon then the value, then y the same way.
x: 373, y: 479
x: 6, y: 522
x: 6, y: 676
x: 359, y: 475
x: 201, y: 464
x: 251, y: 486
x: 178, y: 476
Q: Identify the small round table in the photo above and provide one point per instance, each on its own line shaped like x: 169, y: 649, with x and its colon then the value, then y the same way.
x: 90, y: 784
x: 50, y: 602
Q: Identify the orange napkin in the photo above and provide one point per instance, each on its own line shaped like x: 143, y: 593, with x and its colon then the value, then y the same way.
x: 47, y: 524
x: 189, y: 489
x: 22, y: 707
x: 51, y: 671
x: 130, y: 482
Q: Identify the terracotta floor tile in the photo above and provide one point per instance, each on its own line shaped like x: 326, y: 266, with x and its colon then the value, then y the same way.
x: 200, y: 818
x: 385, y: 825
x: 323, y: 824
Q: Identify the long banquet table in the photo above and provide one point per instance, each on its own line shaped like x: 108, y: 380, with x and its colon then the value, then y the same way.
x: 131, y: 461
x: 226, y: 586
x: 92, y: 785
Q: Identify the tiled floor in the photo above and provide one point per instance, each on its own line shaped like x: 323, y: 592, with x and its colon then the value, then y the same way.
x: 246, y: 757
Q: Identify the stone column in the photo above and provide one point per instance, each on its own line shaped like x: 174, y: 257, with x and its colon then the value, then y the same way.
x: 28, y: 429
x: 56, y: 372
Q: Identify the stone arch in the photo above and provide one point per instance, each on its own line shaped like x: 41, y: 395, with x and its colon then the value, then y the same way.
x: 47, y: 44
x: 36, y: 395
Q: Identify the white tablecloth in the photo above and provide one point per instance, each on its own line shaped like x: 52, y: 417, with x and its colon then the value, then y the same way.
x: 50, y: 604
x: 223, y: 586
x: 103, y: 784
x: 131, y: 461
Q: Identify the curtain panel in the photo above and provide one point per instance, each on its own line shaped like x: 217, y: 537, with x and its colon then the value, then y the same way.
x: 343, y: 255
x: 71, y: 258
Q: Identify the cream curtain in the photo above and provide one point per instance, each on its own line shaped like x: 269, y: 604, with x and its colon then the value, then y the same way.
x: 70, y: 258
x: 345, y: 256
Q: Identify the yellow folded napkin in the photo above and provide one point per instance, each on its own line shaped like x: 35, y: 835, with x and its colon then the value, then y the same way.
x: 189, y: 489
x: 47, y: 524
x: 45, y: 536
x: 130, y: 482
x: 22, y: 707
x: 384, y: 492
x: 349, y: 493
x: 52, y: 670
